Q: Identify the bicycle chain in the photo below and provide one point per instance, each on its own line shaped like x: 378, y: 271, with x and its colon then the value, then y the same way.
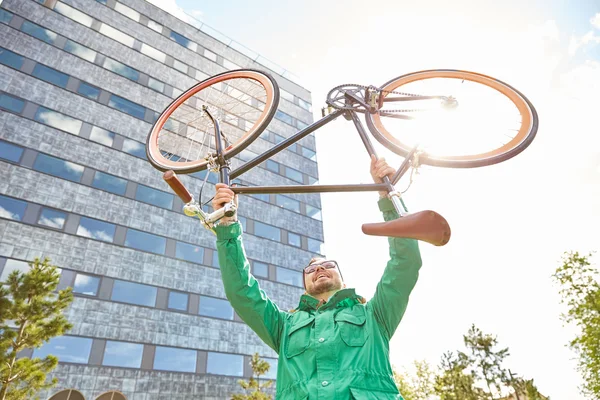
x: 380, y: 91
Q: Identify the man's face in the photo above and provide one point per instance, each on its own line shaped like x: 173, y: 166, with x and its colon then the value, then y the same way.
x: 323, y: 279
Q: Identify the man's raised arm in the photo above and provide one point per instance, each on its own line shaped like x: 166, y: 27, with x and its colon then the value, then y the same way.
x: 241, y: 288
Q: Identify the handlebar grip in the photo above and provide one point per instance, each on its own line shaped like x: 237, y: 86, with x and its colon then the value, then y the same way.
x: 178, y: 187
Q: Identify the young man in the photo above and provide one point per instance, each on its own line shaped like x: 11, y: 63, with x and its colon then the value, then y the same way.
x: 334, y: 345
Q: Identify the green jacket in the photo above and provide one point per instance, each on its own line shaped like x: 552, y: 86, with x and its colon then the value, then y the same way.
x: 338, y: 350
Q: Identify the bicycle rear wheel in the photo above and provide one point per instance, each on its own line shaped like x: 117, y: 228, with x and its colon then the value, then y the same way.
x: 463, y: 119
x: 243, y: 101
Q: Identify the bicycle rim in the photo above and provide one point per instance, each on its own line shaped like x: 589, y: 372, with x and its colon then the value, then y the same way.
x: 492, y: 122
x: 243, y: 102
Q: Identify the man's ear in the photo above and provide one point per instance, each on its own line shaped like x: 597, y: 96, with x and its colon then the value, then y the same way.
x: 344, y: 286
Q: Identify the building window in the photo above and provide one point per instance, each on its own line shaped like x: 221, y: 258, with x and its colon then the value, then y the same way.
x: 10, y: 152
x: 73, y: 14
x: 134, y: 148
x: 300, y: 124
x: 102, y: 136
x: 67, y: 394
x: 88, y: 91
x: 5, y: 16
x: 109, y: 183
x: 210, y: 55
x: 312, y: 180
x: 215, y: 259
x: 229, y: 65
x: 178, y: 65
x: 128, y: 107
x: 58, y: 120
x: 155, y: 26
x: 67, y: 349
x: 94, y: 229
x: 286, y: 95
x: 145, y: 241
x: 212, y: 177
x: 12, y: 208
x: 182, y: 40
x: 39, y: 32
x: 117, y: 35
x: 260, y: 269
x: 261, y: 196
x: 313, y: 212
x: 11, y: 103
x: 52, y: 218
x: 278, y: 138
x: 306, y: 105
x: 267, y: 231
x: 225, y: 364
x: 189, y: 252
x: 308, y: 153
x: 80, y: 51
x: 57, y: 167
x: 287, y: 202
x: 242, y: 222
x: 294, y: 239
x: 290, y: 277
x: 156, y: 85
x: 86, y: 284
x: 314, y: 245
x: 218, y: 308
x: 246, y: 155
x: 12, y: 265
x: 10, y: 59
x: 178, y: 301
x: 154, y: 197
x: 128, y: 12
x: 284, y: 117
x: 273, y: 166
x: 121, y: 69
x: 153, y: 53
x: 172, y: 359
x: 294, y: 174
x: 134, y: 293
x: 121, y: 354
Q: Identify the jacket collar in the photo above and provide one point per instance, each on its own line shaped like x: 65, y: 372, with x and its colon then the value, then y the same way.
x: 341, y: 298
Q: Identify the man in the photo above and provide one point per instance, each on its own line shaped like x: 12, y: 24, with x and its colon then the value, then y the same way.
x: 334, y: 345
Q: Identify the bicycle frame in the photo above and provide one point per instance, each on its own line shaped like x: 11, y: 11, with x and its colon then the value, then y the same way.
x: 219, y: 162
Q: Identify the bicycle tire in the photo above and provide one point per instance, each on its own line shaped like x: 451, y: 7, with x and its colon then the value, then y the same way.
x: 208, y: 86
x: 524, y: 137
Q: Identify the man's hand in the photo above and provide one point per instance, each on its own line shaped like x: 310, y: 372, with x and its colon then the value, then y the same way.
x: 379, y: 169
x: 222, y: 197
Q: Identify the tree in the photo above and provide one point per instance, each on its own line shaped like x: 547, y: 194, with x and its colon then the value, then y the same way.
x: 404, y: 386
x: 455, y: 381
x: 424, y: 380
x: 30, y: 314
x: 417, y: 386
x: 580, y: 292
x: 486, y: 360
x: 252, y: 387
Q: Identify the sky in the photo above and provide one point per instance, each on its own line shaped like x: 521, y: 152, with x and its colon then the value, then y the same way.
x: 510, y: 222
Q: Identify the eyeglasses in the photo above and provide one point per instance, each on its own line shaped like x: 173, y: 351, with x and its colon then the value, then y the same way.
x: 327, y: 264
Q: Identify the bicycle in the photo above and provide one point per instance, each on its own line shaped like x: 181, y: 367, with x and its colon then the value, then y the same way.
x: 234, y: 107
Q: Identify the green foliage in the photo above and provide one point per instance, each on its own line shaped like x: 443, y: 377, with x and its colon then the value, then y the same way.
x: 253, y: 388
x: 456, y: 381
x: 486, y: 361
x: 580, y: 292
x: 30, y: 314
x: 420, y: 385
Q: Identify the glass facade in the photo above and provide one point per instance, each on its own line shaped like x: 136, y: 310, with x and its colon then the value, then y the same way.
x: 140, y: 274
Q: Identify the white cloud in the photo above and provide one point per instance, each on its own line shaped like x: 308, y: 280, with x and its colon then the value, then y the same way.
x: 56, y: 222
x: 595, y: 20
x: 172, y: 8
x: 100, y: 235
x: 577, y: 43
x: 4, y: 213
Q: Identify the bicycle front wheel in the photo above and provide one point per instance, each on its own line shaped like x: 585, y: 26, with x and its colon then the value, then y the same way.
x: 460, y: 119
x: 243, y: 102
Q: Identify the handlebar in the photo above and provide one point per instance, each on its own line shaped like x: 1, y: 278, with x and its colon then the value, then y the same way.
x: 192, y: 208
